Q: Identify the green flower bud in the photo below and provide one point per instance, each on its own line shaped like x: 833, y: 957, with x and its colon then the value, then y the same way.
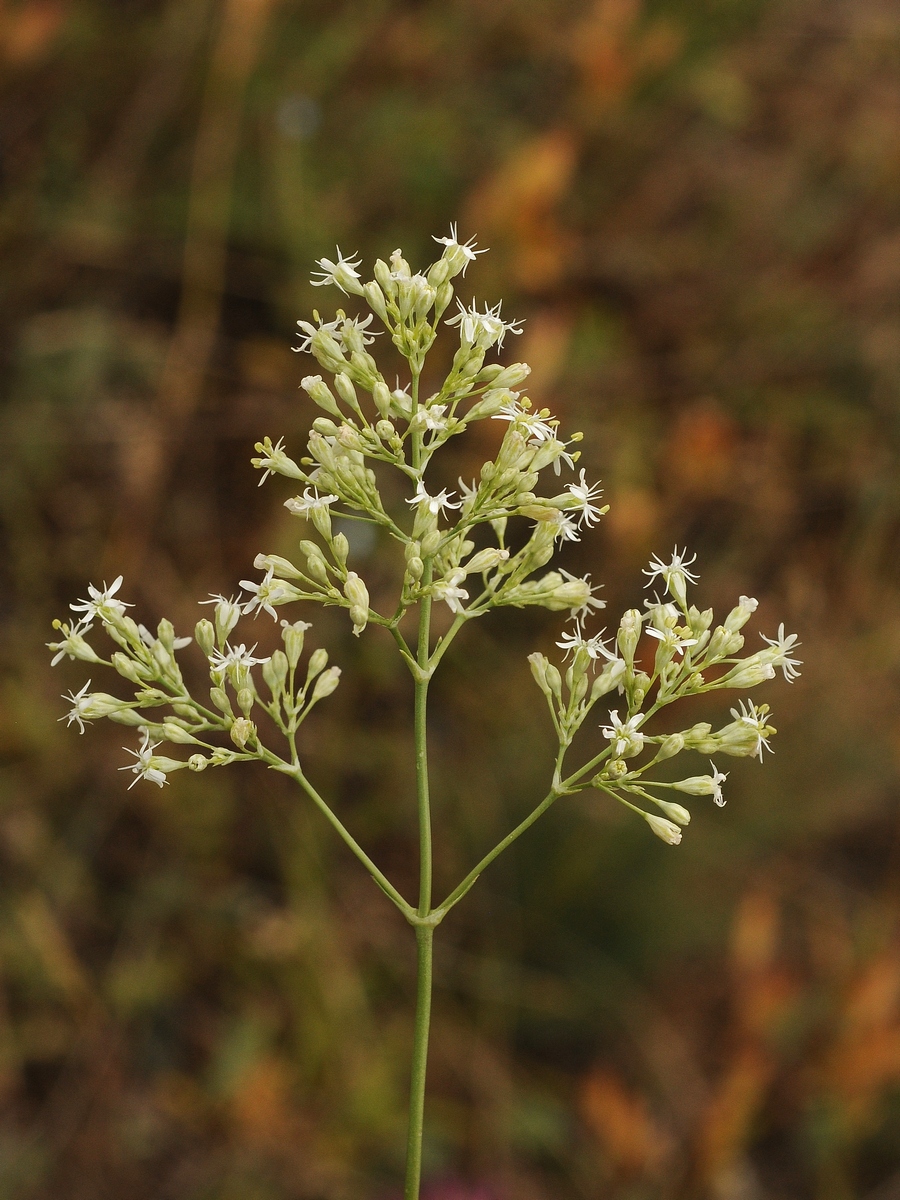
x: 205, y: 634
x: 317, y: 662
x: 320, y: 393
x: 345, y: 389
x: 676, y: 812
x: 629, y: 634
x: 246, y: 700
x: 739, y: 616
x: 375, y: 299
x: 292, y: 636
x: 673, y: 745
x: 539, y: 664
x: 666, y: 831
x: 220, y: 699
x: 609, y: 677
x: 197, y: 762
x: 326, y: 684
x: 129, y: 669
x: 340, y: 548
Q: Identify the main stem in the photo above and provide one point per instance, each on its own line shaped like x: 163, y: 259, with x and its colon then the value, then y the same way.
x: 424, y: 933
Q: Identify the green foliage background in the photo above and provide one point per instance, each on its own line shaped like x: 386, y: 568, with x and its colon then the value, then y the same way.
x: 695, y: 204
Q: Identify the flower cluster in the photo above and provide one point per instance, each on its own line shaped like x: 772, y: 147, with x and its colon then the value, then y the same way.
x: 452, y: 549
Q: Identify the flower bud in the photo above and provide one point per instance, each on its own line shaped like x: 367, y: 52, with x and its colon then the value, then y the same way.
x: 382, y: 397
x: 197, y: 762
x: 629, y: 634
x: 666, y: 831
x: 415, y: 569
x: 128, y: 668
x: 220, y: 699
x: 340, y: 548
x: 676, y: 812
x: 320, y: 393
x: 539, y: 664
x: 326, y: 684
x: 609, y: 677
x: 242, y: 732
x: 355, y: 590
x: 325, y: 426
x: 673, y: 745
x: 345, y: 389
x: 173, y: 732
x: 385, y: 278
x: 283, y: 568
x: 317, y: 662
x: 205, y: 634
x: 292, y: 636
x: 485, y: 560
x: 739, y: 616
x: 640, y: 687
x: 127, y: 716
x: 245, y: 699
x: 385, y: 430
x: 430, y: 542
x: 375, y: 299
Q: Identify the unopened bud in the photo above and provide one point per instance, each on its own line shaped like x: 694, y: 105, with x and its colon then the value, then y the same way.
x: 292, y: 636
x: 326, y: 683
x: 666, y: 831
x: 274, y: 671
x: 677, y: 812
x: 673, y: 745
x: 197, y: 762
x: 320, y: 393
x: 220, y: 699
x: 317, y: 662
x: 245, y: 699
x: 629, y: 634
x: 205, y: 634
x: 382, y: 397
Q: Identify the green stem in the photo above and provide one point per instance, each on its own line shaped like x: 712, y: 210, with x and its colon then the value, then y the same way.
x: 424, y: 933
x: 424, y: 960
x: 458, y: 892
x: 421, y: 746
x: 346, y: 836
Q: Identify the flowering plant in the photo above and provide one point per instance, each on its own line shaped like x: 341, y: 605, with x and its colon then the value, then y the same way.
x: 480, y: 549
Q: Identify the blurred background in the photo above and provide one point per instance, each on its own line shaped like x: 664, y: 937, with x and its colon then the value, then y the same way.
x: 695, y: 205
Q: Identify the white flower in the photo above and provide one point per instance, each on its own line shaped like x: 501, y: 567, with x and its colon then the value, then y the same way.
x: 671, y: 640
x: 350, y: 333
x: 150, y: 641
x: 583, y: 610
x: 783, y: 645
x: 143, y: 768
x: 73, y: 642
x: 267, y: 593
x: 302, y: 506
x: 565, y: 529
x: 311, y: 330
x: 584, y: 493
x: 433, y: 418
x: 595, y: 646
x: 483, y: 330
x: 625, y: 735
x: 536, y: 425
x: 102, y: 604
x: 270, y: 460
x: 718, y: 778
x: 678, y: 566
x: 436, y: 504
x: 752, y: 719
x: 236, y: 656
x: 343, y: 273
x: 450, y: 592
x: 458, y: 253
x: 79, y: 701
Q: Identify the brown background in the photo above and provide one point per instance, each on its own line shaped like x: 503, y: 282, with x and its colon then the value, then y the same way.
x: 695, y: 204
